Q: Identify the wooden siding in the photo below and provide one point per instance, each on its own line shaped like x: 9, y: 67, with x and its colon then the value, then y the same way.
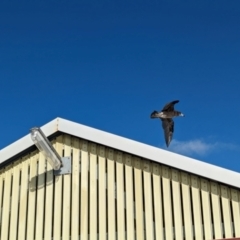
x: 111, y: 195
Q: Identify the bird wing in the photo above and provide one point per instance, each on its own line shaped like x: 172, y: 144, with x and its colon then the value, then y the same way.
x: 170, y: 106
x: 168, y: 127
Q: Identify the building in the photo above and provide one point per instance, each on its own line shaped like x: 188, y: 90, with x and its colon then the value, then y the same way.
x: 118, y: 189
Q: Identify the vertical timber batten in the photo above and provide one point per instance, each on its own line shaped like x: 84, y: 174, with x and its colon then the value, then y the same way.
x: 23, y: 198
x: 167, y: 203
x: 84, y: 190
x: 6, y: 204
x: 75, y: 189
x: 129, y: 198
x: 235, y: 201
x: 138, y: 199
x: 93, y: 191
x: 14, y: 199
x: 197, y: 209
x: 111, y: 193
x: 147, y: 172
x: 102, y: 201
x: 66, y: 191
x: 120, y: 196
x: 216, y: 208
x: 57, y: 220
x: 158, y: 207
x: 32, y: 190
x: 186, y: 206
x: 177, y: 206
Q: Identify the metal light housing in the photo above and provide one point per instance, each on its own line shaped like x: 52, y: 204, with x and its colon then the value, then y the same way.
x: 45, y: 147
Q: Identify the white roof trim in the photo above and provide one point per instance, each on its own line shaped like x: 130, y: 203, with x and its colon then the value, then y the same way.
x: 136, y: 148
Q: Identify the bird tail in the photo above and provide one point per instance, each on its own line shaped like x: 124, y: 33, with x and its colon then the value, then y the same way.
x: 154, y: 114
x: 177, y: 113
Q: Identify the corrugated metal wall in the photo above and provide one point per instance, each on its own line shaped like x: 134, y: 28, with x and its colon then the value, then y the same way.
x: 111, y: 195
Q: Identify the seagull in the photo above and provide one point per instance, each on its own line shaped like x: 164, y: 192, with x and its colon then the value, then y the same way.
x: 166, y: 115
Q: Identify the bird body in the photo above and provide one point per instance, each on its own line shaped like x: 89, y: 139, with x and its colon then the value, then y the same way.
x: 166, y: 115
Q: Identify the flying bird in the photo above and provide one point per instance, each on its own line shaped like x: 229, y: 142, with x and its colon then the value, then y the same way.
x: 166, y: 115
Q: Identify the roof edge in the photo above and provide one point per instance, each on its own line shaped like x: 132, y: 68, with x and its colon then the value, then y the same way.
x: 159, y: 155
x: 142, y: 150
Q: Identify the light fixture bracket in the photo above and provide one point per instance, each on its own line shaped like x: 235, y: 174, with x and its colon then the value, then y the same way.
x: 66, y: 167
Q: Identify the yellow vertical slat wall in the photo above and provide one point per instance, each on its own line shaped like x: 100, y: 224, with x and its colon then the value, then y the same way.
x: 111, y: 195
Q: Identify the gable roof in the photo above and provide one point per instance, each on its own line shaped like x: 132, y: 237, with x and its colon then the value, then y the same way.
x: 127, y: 145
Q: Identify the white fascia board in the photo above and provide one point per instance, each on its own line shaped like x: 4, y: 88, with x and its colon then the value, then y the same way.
x: 126, y: 145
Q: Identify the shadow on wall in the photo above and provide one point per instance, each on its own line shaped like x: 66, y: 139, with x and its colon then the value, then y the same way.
x: 42, y: 180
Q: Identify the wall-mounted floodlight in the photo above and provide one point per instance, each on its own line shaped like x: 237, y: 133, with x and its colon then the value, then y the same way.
x: 60, y: 165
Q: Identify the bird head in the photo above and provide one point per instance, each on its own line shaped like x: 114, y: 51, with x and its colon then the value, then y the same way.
x: 154, y: 114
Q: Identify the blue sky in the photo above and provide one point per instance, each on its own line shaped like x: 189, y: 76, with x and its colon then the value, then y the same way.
x: 109, y: 64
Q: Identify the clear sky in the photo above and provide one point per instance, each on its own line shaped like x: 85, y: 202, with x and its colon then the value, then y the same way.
x: 109, y: 64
